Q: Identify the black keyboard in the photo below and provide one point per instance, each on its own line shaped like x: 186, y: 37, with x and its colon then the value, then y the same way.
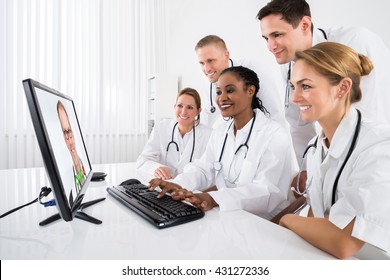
x: 162, y: 212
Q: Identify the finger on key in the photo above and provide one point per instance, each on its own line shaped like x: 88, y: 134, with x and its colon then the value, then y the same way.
x: 154, y: 183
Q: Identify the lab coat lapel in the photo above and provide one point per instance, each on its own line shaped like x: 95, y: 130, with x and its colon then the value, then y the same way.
x: 342, y: 138
x: 315, y: 187
x: 339, y: 147
x: 325, y: 172
x: 255, y: 151
x: 185, y: 156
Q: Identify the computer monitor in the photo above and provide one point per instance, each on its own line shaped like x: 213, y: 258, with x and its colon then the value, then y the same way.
x: 63, y: 149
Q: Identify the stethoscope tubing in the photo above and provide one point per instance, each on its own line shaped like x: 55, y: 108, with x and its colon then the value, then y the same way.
x: 351, y: 148
x: 218, y: 164
x: 177, y: 146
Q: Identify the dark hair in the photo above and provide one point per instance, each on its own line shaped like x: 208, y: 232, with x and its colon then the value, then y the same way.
x: 336, y: 61
x: 250, y: 78
x: 211, y: 39
x: 292, y: 11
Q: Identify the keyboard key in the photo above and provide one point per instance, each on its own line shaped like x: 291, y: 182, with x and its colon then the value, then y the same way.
x: 171, y: 211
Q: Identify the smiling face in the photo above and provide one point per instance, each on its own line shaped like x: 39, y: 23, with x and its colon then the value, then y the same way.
x: 283, y: 40
x: 186, y: 110
x: 317, y: 99
x: 213, y: 59
x: 234, y: 98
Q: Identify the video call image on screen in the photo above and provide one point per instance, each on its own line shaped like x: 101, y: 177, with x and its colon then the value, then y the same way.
x: 65, y: 137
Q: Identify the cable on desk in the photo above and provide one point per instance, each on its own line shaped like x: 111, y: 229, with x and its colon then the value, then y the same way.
x: 45, y: 191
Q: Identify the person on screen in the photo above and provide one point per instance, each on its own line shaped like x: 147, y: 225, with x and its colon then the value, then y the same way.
x: 247, y: 163
x: 78, y: 167
x: 287, y: 27
x: 348, y: 185
x: 174, y: 143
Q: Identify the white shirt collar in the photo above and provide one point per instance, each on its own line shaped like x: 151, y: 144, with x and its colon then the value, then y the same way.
x: 318, y: 37
x: 344, y: 133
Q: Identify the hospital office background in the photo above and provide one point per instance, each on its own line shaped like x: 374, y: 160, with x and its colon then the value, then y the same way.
x: 109, y: 56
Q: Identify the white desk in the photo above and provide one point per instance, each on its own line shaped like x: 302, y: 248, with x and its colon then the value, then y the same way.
x: 125, y: 235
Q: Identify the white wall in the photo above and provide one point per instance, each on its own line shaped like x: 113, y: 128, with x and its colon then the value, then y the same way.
x: 235, y: 21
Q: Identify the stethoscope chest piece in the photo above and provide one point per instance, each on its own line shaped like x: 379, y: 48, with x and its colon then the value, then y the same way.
x: 217, y: 165
x: 212, y: 109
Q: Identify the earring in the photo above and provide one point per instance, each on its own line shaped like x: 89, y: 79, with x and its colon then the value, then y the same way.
x: 339, y: 95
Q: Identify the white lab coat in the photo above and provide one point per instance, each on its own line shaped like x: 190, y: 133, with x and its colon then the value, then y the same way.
x: 363, y: 190
x: 263, y: 176
x: 374, y: 86
x: 269, y: 94
x: 155, y: 152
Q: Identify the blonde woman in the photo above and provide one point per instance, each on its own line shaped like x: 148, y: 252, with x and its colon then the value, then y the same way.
x: 348, y: 182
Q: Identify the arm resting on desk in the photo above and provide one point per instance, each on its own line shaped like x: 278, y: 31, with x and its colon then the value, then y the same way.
x: 295, y: 206
x: 323, y: 234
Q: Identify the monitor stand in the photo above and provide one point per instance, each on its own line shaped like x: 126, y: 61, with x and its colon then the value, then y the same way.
x: 79, y: 214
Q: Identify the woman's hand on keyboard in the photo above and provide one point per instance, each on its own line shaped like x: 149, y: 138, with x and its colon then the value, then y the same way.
x: 166, y: 187
x: 203, y: 201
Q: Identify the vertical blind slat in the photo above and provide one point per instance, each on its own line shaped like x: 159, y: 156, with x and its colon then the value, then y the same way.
x: 80, y: 48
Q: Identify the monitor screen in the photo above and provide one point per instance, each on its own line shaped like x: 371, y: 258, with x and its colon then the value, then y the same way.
x: 62, y: 145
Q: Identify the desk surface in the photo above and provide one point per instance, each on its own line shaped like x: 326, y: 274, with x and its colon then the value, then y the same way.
x: 125, y: 235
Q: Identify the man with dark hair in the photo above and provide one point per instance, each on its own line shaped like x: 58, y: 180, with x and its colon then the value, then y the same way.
x: 287, y: 27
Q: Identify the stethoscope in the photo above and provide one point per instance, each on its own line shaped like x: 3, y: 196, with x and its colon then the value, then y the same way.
x: 177, y: 146
x: 314, y: 145
x: 212, y: 108
x: 287, y: 94
x: 218, y: 164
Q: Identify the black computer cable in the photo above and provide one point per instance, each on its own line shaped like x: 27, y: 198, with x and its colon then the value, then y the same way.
x: 45, y: 191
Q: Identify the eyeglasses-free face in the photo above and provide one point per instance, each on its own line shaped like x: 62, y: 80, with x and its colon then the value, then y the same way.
x: 67, y: 131
x: 186, y: 110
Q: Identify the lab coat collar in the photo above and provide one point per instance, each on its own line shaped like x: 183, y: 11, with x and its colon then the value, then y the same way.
x: 176, y: 134
x: 318, y: 37
x: 261, y: 120
x: 344, y: 133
